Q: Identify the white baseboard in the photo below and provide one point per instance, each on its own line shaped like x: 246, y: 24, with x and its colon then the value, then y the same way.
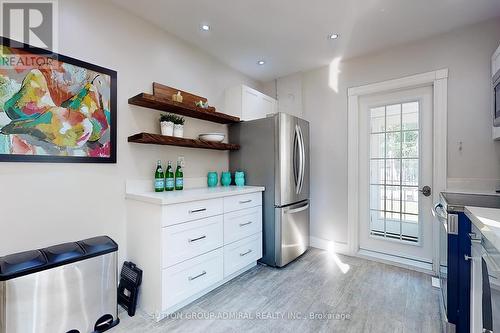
x: 411, y: 264
x: 324, y: 244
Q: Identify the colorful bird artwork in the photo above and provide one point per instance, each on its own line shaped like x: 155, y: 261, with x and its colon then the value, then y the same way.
x: 55, y: 110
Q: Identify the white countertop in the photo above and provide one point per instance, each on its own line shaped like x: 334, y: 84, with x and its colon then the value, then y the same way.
x: 194, y: 194
x: 487, y: 220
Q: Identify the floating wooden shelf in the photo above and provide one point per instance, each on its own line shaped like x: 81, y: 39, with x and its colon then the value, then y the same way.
x: 183, y: 109
x: 157, y: 139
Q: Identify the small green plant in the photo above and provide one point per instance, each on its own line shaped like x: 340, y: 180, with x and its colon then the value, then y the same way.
x: 168, y: 117
x: 178, y: 120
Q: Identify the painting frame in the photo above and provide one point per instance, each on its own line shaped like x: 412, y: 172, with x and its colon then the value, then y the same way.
x: 112, y: 158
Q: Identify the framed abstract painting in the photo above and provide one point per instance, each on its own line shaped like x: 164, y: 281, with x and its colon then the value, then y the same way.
x: 55, y: 108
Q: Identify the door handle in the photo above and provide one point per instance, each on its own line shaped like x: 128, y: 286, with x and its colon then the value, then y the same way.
x: 426, y: 190
x: 191, y: 278
x: 245, y: 253
x: 301, y: 158
x: 244, y: 224
x: 245, y: 201
x: 298, y: 209
x: 197, y: 210
x: 197, y: 239
x: 296, y: 162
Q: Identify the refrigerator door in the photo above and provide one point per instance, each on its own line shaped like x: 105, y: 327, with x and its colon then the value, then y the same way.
x: 292, y: 166
x: 292, y: 232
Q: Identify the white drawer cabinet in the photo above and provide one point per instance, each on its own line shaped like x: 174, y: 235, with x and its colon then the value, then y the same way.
x: 190, y: 277
x: 178, y: 213
x: 187, y: 240
x: 242, y: 201
x: 189, y: 243
x: 241, y: 253
x: 242, y: 223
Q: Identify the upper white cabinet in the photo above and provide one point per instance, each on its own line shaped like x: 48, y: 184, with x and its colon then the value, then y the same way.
x: 495, y: 61
x: 248, y: 104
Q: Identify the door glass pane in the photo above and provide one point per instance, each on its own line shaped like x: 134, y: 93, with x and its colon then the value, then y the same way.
x: 410, y: 116
x: 377, y: 145
x: 393, y: 117
x: 410, y: 144
x: 377, y: 171
x: 394, y: 171
x: 377, y: 123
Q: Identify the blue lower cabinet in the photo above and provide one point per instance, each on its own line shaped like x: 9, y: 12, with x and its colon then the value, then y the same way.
x: 459, y: 247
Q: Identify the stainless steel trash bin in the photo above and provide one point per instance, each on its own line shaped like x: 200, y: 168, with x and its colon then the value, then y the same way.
x: 69, y: 287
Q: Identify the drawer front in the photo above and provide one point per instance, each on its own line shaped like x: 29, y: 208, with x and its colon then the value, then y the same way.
x: 187, y: 240
x: 186, y: 279
x: 242, y: 253
x: 242, y: 223
x: 189, y: 211
x: 242, y: 201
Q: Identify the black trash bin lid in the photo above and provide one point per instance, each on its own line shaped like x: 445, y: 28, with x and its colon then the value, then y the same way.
x: 21, y: 263
x: 98, y: 245
x: 24, y: 263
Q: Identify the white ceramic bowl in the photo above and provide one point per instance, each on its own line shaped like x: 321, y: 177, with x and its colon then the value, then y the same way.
x: 212, y: 137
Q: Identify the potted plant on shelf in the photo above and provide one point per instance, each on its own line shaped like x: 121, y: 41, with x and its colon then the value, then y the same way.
x: 167, y: 124
x: 178, y: 126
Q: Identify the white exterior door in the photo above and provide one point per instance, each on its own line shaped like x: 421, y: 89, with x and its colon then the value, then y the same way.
x: 395, y: 169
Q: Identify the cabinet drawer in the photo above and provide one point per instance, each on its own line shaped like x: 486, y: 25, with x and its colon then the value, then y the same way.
x: 242, y: 201
x: 242, y: 253
x: 187, y: 240
x: 189, y: 211
x: 186, y: 279
x: 242, y: 223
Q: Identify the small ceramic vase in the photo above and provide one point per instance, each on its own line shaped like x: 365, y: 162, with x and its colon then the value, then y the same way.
x: 212, y: 179
x: 178, y: 130
x: 225, y: 179
x: 239, y: 178
x: 167, y: 128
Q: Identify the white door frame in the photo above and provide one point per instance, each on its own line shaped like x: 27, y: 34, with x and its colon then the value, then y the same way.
x: 439, y: 81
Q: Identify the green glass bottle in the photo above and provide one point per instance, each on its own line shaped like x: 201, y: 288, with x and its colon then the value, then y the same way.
x: 179, y: 177
x: 159, y: 178
x: 169, y: 178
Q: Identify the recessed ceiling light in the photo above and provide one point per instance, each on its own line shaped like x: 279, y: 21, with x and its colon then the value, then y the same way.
x: 205, y: 27
x: 333, y: 36
x: 261, y: 62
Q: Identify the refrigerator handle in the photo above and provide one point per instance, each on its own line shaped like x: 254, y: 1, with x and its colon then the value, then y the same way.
x: 296, y: 174
x: 302, y: 159
x: 297, y: 209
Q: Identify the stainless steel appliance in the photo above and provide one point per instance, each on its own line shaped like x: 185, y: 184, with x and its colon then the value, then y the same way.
x: 485, y: 285
x: 454, y: 244
x: 496, y: 99
x: 275, y: 153
x: 69, y: 287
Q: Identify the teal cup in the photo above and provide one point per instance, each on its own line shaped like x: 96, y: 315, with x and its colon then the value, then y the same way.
x: 225, y: 179
x: 239, y: 178
x: 212, y: 179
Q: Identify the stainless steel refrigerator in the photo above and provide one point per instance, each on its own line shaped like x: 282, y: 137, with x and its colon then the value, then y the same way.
x: 275, y: 153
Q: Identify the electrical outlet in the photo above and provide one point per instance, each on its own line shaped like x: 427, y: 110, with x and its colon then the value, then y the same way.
x: 181, y: 161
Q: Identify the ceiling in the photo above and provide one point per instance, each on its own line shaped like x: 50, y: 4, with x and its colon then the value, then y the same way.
x: 291, y: 35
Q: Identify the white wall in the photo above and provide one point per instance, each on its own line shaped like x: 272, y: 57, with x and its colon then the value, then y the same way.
x: 43, y: 204
x: 465, y: 52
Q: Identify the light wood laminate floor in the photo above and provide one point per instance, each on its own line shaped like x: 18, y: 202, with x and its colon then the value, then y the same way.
x: 343, y: 294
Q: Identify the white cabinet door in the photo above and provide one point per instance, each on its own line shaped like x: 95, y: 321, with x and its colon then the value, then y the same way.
x: 251, y: 104
x: 269, y: 105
